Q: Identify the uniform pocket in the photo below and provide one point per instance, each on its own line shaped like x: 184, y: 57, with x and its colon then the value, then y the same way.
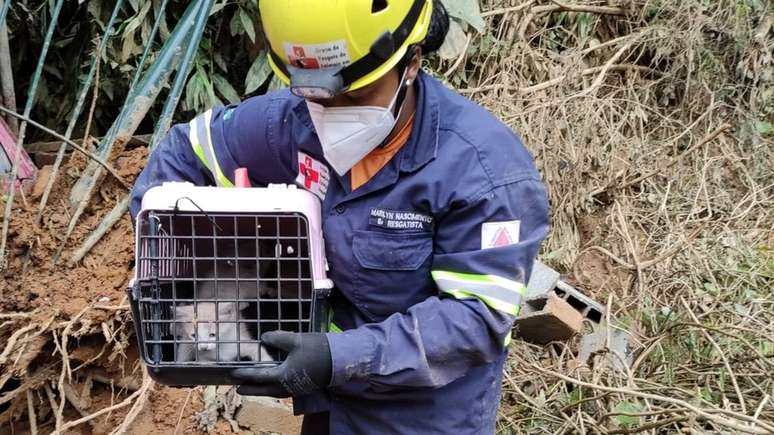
x: 392, y: 271
x: 392, y: 251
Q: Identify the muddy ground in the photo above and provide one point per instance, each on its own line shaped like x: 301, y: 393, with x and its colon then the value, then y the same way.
x: 87, y: 303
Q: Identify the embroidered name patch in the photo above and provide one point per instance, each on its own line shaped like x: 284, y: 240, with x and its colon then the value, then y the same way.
x: 312, y: 175
x: 496, y: 234
x: 400, y: 220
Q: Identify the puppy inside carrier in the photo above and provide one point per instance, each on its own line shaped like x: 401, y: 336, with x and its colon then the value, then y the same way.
x: 218, y: 267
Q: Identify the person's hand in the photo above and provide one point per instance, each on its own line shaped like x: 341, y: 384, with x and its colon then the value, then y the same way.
x: 306, y: 369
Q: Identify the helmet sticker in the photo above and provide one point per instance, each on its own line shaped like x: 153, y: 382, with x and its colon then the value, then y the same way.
x: 332, y: 54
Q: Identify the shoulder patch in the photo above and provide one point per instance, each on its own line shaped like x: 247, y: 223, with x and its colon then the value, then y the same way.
x: 496, y: 234
x: 313, y: 175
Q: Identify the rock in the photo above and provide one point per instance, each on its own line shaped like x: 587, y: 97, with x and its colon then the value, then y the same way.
x: 620, y: 353
x: 265, y: 414
x: 222, y: 400
x: 40, y: 183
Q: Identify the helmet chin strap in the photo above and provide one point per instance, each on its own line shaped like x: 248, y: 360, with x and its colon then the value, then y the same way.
x: 399, y: 100
x: 402, y: 90
x: 404, y: 84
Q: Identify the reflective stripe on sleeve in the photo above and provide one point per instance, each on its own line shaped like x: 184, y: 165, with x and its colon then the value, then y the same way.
x: 498, y: 305
x: 199, y: 134
x: 495, y: 291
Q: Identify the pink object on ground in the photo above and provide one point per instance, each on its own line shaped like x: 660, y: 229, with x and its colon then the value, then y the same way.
x: 26, y: 172
x: 241, y: 178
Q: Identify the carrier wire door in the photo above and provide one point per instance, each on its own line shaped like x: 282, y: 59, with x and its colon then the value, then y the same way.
x: 209, y: 282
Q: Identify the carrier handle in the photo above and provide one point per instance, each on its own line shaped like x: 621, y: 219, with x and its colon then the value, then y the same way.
x: 153, y: 222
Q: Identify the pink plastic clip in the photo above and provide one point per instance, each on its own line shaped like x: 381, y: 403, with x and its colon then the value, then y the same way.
x: 241, y: 178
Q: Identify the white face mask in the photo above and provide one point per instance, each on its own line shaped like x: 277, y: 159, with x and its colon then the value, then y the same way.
x: 347, y: 134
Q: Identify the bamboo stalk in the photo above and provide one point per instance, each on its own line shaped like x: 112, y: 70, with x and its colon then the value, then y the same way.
x: 141, y: 98
x: 74, y: 145
x: 187, y: 32
x: 6, y: 75
x: 107, y: 223
x: 33, y: 90
x: 93, y: 71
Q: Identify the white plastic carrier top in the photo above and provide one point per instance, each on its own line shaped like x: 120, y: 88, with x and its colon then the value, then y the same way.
x: 276, y: 198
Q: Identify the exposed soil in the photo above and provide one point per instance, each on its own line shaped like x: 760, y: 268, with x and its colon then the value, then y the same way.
x: 91, y: 297
x: 103, y: 274
x: 592, y: 272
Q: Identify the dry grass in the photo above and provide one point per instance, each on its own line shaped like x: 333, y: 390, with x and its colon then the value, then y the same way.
x: 651, y: 131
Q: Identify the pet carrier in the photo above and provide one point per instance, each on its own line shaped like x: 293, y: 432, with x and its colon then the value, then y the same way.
x: 218, y: 267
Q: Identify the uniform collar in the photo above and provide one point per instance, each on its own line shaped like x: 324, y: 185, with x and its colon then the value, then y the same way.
x: 422, y: 145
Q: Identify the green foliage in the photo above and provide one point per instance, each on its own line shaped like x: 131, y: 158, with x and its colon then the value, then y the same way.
x: 258, y: 73
x: 230, y: 63
x: 625, y: 407
x: 466, y: 11
x: 463, y: 13
x: 222, y: 70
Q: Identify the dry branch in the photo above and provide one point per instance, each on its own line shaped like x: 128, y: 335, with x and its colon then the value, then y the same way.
x: 709, y: 138
x: 128, y: 382
x: 9, y: 347
x: 182, y: 410
x: 75, y: 146
x: 61, y: 151
x: 723, y: 356
x: 674, y: 249
x: 508, y: 9
x: 650, y: 426
x: 609, y: 64
x: 31, y: 415
x: 138, y: 398
x: 760, y: 427
x: 563, y: 7
x: 555, y: 81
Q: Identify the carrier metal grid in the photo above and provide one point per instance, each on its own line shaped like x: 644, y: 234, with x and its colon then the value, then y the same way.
x: 218, y: 267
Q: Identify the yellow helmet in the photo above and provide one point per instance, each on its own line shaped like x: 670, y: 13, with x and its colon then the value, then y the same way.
x: 324, y: 47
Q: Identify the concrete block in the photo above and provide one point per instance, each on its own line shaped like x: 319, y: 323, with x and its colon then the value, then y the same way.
x: 542, y: 281
x: 589, y: 308
x: 265, y: 414
x: 548, y: 319
x: 619, y: 352
x: 545, y: 281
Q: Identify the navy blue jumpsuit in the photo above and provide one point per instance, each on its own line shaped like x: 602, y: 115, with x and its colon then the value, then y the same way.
x: 429, y: 257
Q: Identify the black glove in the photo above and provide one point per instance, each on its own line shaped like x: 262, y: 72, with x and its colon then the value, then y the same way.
x: 306, y: 369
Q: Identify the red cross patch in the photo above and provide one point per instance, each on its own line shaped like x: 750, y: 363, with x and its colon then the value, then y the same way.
x: 312, y: 175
